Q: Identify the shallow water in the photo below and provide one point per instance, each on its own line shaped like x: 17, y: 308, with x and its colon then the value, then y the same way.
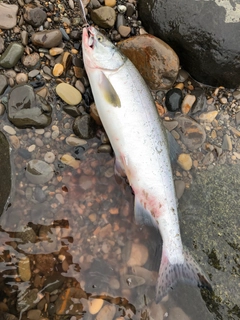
x: 78, y: 231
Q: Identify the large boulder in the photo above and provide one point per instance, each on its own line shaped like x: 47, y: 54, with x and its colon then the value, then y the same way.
x: 204, y: 33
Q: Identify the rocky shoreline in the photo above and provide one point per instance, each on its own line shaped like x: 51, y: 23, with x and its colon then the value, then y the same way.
x: 66, y: 211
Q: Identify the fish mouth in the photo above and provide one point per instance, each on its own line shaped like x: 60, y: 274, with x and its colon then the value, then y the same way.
x: 90, y: 38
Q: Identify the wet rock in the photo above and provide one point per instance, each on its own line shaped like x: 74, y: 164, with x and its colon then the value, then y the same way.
x: 70, y: 161
x: 107, y: 312
x: 45, y: 263
x: 53, y: 282
x: 124, y: 31
x: 24, y: 269
x: 47, y: 39
x: 187, y: 103
x: 131, y: 281
x: 38, y: 172
x: 8, y: 15
x: 73, y: 111
x: 27, y: 235
x: 94, y: 305
x: 5, y: 171
x: 138, y: 255
x: 84, y: 126
x: 227, y: 143
x: 179, y: 187
x: 24, y: 37
x: 68, y: 93
x: 21, y: 78
x: 69, y: 301
x: 28, y: 300
x: 74, y: 141
x: 25, y: 109
x: 208, y: 116
x: 3, y: 83
x: 174, y: 99
x: 58, y: 70
x: 31, y: 61
x: 104, y: 17
x: 155, y: 60
x: 192, y: 134
x: 209, y: 54
x: 1, y: 44
x: 11, y: 55
x: 85, y: 182
x: 34, y: 314
x: 185, y: 161
x: 35, y: 16
x: 55, y: 51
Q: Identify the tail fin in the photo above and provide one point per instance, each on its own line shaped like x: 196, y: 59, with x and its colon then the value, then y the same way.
x: 170, y: 274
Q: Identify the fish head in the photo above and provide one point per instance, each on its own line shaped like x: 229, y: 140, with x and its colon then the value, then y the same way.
x: 99, y: 52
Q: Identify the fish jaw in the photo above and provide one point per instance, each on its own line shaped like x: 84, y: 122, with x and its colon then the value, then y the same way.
x: 87, y: 50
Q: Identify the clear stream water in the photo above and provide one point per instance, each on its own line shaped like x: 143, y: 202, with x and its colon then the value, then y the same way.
x: 75, y: 222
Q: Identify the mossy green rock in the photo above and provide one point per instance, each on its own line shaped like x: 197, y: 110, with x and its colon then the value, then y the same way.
x: 11, y: 55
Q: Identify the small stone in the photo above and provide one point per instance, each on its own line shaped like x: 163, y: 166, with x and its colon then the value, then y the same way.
x: 131, y: 281
x: 208, y: 116
x: 84, y: 126
x: 94, y: 114
x: 31, y: 148
x: 110, y: 3
x: 95, y: 305
x: 3, y: 83
x: 105, y: 148
x: 55, y: 51
x: 49, y: 157
x: 227, y: 143
x: 35, y: 16
x: 31, y: 61
x: 138, y: 255
x: 187, y: 103
x: 173, y: 99
x: 170, y: 125
x: 179, y: 187
x: 107, y: 312
x: 14, y: 142
x: 47, y: 39
x: 124, y: 31
x: 75, y: 141
x: 58, y: 70
x: 24, y: 37
x: 114, y: 283
x: 34, y: 314
x: 9, y: 130
x: 68, y: 94
x: 11, y: 55
x: 24, y: 269
x: 21, y: 78
x: 38, y: 172
x: 237, y: 118
x: 185, y: 161
x: 70, y: 161
x: 85, y: 182
x: 104, y: 17
x: 236, y: 94
x: 8, y: 15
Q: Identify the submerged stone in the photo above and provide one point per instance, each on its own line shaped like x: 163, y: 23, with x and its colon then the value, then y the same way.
x: 5, y: 171
x: 39, y: 172
x: 84, y: 126
x: 26, y: 109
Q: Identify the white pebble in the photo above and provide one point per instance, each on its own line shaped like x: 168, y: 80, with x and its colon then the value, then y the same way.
x: 32, y: 148
x: 9, y: 130
x: 49, y: 157
x: 39, y: 131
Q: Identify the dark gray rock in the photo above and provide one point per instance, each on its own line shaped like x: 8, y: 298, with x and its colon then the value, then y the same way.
x: 34, y: 15
x: 5, y: 171
x: 25, y: 109
x: 205, y: 35
x: 84, y: 126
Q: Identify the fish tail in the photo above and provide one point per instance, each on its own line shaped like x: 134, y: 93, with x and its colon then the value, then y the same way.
x: 188, y: 271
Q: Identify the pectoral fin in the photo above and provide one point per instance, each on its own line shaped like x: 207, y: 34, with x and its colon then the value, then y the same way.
x: 109, y: 92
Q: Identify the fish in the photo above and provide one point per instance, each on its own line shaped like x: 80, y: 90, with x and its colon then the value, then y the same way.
x: 129, y: 116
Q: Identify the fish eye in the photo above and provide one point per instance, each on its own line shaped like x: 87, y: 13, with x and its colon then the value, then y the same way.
x: 100, y: 38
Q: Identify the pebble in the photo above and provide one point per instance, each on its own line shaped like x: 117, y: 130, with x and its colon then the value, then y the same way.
x: 84, y: 127
x: 24, y: 269
x: 185, y: 161
x: 8, y: 15
x: 14, y: 142
x: 3, y: 83
x: 124, y: 31
x: 107, y: 312
x: 95, y: 305
x: 58, y: 70
x: 9, y: 130
x: 179, y: 187
x: 11, y: 55
x: 85, y: 182
x: 208, y: 116
x: 68, y: 94
x: 38, y: 172
x: 227, y: 143
x: 35, y: 16
x: 21, y: 78
x: 31, y: 61
x: 34, y: 314
x: 138, y: 255
x: 187, y: 103
x: 47, y: 39
x: 55, y: 51
x: 104, y: 17
x: 75, y: 141
x: 70, y: 161
x: 49, y: 157
x: 110, y: 3
x: 173, y: 99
